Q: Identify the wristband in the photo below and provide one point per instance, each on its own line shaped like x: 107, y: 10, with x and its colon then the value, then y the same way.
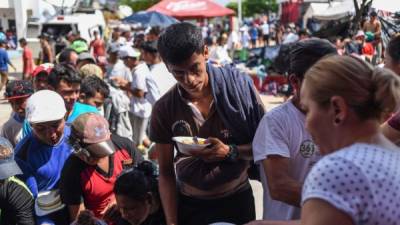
x: 233, y: 153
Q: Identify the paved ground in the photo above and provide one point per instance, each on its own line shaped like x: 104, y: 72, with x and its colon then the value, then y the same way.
x: 269, y: 101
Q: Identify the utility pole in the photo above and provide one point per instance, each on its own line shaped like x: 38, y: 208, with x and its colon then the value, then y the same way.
x: 240, y: 12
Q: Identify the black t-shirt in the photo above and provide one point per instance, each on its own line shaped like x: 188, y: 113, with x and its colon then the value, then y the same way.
x: 16, y: 203
x: 157, y: 218
x: 80, y: 181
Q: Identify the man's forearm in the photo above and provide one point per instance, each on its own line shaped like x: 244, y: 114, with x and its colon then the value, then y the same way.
x: 138, y: 93
x: 167, y: 187
x: 286, y: 190
x: 281, y: 185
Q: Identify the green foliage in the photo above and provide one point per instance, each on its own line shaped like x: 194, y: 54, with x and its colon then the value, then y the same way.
x: 139, y: 5
x: 252, y: 7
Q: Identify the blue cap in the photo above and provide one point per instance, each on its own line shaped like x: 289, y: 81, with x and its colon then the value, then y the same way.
x: 8, y: 166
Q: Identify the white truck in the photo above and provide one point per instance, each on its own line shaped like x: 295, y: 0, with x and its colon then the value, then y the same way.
x: 59, y: 26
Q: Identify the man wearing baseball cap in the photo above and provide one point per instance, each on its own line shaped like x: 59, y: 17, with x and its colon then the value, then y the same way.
x: 40, y: 76
x: 144, y: 92
x: 98, y: 157
x: 16, y: 202
x: 115, y: 66
x: 85, y: 58
x: 17, y: 92
x: 42, y: 153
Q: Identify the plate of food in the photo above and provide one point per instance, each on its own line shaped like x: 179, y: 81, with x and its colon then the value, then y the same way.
x: 189, y: 145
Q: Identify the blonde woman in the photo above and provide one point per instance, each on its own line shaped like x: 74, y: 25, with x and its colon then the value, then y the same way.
x: 357, y: 181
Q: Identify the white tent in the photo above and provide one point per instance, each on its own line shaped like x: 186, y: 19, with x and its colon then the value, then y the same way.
x: 386, y: 5
x: 332, y: 11
x: 62, y: 3
x: 320, y: 1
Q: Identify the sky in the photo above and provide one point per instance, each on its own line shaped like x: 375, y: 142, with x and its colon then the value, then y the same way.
x: 222, y: 2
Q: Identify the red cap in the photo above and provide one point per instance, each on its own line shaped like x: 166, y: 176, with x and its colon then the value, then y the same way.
x: 47, y: 67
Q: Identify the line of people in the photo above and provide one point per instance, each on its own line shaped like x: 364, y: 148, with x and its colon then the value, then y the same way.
x: 322, y: 156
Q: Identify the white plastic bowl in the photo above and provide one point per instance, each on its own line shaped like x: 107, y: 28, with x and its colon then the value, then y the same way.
x: 221, y: 223
x: 189, y: 149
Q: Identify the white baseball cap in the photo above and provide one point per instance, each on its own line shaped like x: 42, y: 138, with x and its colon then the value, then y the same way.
x: 45, y: 106
x: 128, y: 51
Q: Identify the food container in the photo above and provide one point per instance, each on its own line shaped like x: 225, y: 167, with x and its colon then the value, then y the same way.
x: 187, y: 145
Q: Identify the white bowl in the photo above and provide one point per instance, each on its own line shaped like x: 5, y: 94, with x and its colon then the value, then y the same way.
x: 187, y: 146
x: 221, y: 223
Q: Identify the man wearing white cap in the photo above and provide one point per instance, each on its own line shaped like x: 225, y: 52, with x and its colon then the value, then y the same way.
x: 41, y: 155
x: 143, y: 88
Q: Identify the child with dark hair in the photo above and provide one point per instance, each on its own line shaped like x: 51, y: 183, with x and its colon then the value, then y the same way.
x: 138, y: 200
x: 93, y: 93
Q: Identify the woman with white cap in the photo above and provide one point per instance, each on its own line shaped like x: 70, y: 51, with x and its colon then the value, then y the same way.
x: 41, y: 155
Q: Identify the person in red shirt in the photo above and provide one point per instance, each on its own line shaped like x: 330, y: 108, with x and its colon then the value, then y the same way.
x: 98, y: 46
x: 27, y: 59
x: 88, y: 177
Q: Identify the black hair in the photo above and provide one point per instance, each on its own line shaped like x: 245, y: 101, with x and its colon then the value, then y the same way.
x: 22, y: 41
x: 306, y: 53
x: 179, y: 41
x: 65, y: 55
x: 136, y: 182
x: 63, y: 72
x: 282, y: 60
x: 303, y: 32
x: 149, y: 46
x: 86, y: 217
x: 394, y: 48
x: 92, y: 84
x: 373, y: 13
x: 156, y: 30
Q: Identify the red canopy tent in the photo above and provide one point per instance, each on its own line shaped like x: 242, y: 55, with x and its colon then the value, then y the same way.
x: 191, y: 9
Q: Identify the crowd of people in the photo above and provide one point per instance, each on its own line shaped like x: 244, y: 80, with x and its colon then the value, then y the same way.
x: 90, y: 136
